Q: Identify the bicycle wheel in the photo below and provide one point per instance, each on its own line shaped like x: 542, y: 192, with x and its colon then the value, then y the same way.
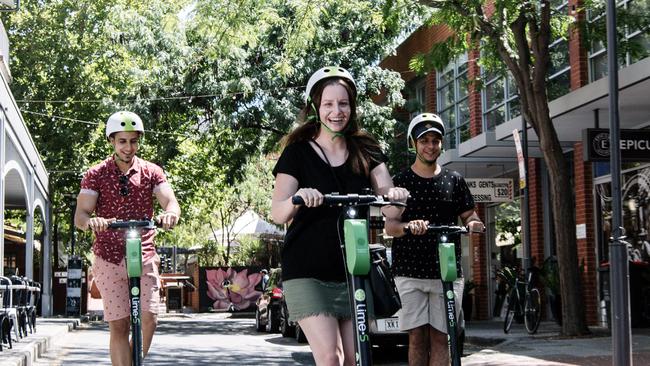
x: 510, y: 313
x: 533, y: 311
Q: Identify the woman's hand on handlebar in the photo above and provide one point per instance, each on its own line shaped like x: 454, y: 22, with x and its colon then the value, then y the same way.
x: 99, y: 224
x: 167, y: 220
x: 397, y: 194
x: 475, y: 226
x: 311, y: 197
x: 417, y: 227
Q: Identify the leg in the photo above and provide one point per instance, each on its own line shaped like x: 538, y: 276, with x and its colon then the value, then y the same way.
x: 112, y: 283
x: 149, y: 323
x: 119, y: 342
x: 347, y: 336
x: 150, y: 286
x: 439, y: 348
x: 419, y: 346
x: 324, y: 336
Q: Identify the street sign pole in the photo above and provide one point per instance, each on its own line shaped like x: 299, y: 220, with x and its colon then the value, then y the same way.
x: 522, y: 158
x: 618, y: 259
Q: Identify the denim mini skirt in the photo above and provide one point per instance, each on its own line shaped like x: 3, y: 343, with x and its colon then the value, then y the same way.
x: 307, y: 297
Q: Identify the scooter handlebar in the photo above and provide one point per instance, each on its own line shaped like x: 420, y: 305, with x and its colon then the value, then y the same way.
x: 129, y: 224
x: 446, y: 229
x: 350, y: 200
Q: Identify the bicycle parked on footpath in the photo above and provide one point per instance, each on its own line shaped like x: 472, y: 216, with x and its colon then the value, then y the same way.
x: 524, y: 300
x: 134, y: 272
x: 357, y: 256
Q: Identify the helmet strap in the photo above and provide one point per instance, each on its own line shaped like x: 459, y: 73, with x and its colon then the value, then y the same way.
x: 420, y: 157
x: 334, y: 134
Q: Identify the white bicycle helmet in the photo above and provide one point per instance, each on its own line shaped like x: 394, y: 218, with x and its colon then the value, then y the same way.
x: 123, y: 121
x: 326, y: 73
x: 423, y: 123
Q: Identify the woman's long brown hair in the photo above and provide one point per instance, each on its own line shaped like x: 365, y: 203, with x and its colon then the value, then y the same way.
x: 362, y: 147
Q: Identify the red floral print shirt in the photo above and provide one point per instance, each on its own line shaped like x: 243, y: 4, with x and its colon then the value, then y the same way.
x: 127, y: 196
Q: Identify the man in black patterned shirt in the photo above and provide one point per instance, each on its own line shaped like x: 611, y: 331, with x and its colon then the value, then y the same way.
x: 437, y: 196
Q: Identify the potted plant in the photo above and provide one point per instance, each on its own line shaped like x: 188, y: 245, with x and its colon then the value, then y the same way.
x: 468, y: 299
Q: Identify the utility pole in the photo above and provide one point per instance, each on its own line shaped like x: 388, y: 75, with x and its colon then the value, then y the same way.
x: 618, y: 258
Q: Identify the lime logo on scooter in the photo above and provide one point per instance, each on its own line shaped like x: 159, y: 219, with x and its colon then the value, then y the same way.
x: 135, y: 310
x: 135, y: 291
x: 360, y: 295
x: 450, y: 294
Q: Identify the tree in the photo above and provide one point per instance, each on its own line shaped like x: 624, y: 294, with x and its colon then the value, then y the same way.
x: 216, y: 81
x: 518, y: 34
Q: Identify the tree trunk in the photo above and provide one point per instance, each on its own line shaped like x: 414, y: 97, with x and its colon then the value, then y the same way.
x: 563, y: 205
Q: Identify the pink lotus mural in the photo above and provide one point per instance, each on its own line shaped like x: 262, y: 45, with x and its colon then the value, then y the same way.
x: 232, y: 290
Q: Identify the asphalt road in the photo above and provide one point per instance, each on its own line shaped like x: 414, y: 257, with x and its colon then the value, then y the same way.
x: 200, y: 339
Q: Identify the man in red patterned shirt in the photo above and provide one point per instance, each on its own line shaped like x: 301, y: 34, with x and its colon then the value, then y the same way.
x: 122, y: 187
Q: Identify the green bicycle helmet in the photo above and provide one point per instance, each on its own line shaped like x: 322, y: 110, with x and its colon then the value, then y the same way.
x: 326, y: 73
x: 123, y: 121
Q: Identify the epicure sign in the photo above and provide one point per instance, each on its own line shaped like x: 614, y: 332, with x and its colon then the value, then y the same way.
x: 634, y: 145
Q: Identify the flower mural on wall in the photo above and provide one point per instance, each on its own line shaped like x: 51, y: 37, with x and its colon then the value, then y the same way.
x: 232, y: 290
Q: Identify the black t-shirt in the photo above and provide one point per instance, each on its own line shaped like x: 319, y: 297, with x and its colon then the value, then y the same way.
x: 311, y: 245
x: 440, y: 200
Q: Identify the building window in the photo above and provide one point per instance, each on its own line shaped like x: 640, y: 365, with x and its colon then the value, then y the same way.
x: 500, y: 100
x: 453, y: 101
x: 10, y: 264
x: 559, y: 72
x: 417, y: 101
x: 641, y: 38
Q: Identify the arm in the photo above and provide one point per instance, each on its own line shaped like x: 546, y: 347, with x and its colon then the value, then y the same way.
x: 167, y: 199
x: 472, y: 221
x: 83, y: 219
x: 382, y: 184
x: 285, y: 187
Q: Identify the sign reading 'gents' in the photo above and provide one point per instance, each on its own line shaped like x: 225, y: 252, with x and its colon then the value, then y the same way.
x: 634, y: 145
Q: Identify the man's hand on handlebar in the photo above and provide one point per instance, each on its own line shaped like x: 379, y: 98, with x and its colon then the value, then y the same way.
x: 167, y: 220
x: 99, y: 224
x: 311, y: 197
x: 417, y: 227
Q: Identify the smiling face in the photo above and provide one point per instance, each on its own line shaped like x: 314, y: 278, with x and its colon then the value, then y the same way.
x: 429, y: 146
x: 335, y: 107
x: 125, y: 145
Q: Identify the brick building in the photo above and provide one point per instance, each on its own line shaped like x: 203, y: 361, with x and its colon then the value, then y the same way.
x: 480, y: 144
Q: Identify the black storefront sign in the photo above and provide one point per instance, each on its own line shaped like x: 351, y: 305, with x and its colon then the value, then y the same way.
x: 634, y: 145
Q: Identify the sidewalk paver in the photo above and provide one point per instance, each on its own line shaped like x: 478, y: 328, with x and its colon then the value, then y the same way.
x: 28, y: 350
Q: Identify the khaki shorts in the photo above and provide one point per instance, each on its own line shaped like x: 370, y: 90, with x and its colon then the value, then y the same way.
x: 113, y: 284
x: 423, y: 303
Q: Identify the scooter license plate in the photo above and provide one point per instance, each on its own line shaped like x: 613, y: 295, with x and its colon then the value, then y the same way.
x: 388, y: 325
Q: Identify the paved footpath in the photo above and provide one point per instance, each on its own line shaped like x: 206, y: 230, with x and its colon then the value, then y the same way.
x: 547, y: 347
x: 218, y: 339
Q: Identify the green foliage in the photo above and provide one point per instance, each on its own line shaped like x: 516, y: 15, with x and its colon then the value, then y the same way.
x: 629, y: 19
x: 550, y: 275
x: 217, y: 83
x: 508, y: 222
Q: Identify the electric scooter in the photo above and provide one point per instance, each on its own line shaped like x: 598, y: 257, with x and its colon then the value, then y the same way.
x: 448, y: 274
x: 134, y: 272
x: 357, y: 257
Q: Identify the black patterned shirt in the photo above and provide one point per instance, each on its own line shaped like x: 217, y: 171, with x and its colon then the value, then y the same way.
x: 440, y: 200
